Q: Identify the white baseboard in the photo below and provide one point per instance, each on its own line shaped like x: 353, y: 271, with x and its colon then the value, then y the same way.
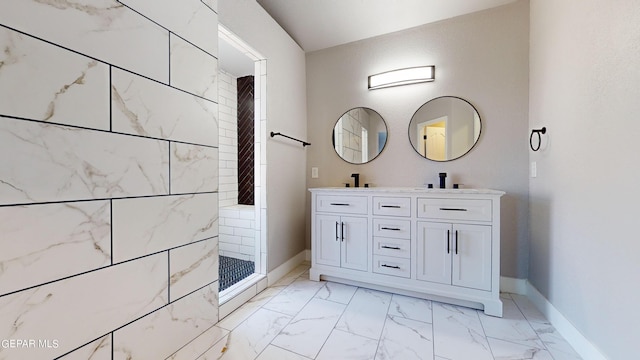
x: 276, y: 274
x: 513, y: 285
x: 580, y: 344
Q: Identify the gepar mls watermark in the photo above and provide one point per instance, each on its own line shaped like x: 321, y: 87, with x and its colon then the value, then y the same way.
x: 29, y: 343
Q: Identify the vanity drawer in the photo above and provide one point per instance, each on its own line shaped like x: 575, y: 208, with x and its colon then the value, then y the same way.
x: 393, y: 228
x: 392, y: 206
x: 392, y: 266
x: 342, y: 204
x: 392, y: 247
x: 455, y: 209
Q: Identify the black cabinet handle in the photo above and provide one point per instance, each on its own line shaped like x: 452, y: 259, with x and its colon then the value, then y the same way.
x: 336, y: 231
x: 343, y: 231
x: 389, y: 228
x: 390, y: 266
x: 339, y: 204
x: 391, y: 206
x: 390, y: 247
x: 448, y: 242
x: 453, y: 209
x: 456, y: 242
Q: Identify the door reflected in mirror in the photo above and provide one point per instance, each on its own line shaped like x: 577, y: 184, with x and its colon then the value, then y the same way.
x: 359, y: 135
x: 445, y: 128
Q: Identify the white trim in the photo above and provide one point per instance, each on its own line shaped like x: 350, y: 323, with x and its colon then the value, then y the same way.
x: 307, y: 255
x: 513, y: 285
x: 276, y: 274
x: 581, y: 344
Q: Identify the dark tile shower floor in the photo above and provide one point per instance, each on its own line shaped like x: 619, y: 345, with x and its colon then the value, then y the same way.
x: 232, y: 270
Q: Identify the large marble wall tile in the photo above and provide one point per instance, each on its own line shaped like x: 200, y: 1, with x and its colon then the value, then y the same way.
x: 192, y: 267
x: 80, y: 309
x: 191, y: 19
x: 193, y: 70
x: 212, y: 4
x: 40, y: 81
x: 36, y: 237
x: 200, y: 344
x: 44, y: 162
x: 193, y: 168
x: 147, y: 225
x: 144, y: 107
x: 103, y: 29
x: 159, y: 334
x: 96, y: 350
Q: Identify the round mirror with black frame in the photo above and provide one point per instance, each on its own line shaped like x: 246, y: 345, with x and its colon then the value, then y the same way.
x: 359, y: 135
x: 445, y: 128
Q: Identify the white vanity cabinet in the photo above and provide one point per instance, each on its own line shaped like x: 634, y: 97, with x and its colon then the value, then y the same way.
x: 440, y: 244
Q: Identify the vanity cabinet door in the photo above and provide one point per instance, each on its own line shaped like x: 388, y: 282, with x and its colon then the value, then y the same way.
x: 434, y: 252
x: 327, y: 240
x: 456, y: 254
x: 341, y: 241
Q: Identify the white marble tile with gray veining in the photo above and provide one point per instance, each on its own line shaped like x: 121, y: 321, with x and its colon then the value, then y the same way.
x: 366, y: 313
x: 337, y: 292
x: 405, y: 339
x: 411, y: 308
x: 80, y: 309
x: 191, y: 19
x: 36, y: 238
x: 512, y: 326
x: 347, y: 346
x: 458, y: 333
x: 200, y: 345
x: 159, y: 334
x: 193, y: 168
x: 310, y: 328
x: 40, y: 81
x: 192, y: 267
x: 103, y: 29
x: 276, y: 353
x: 212, y: 4
x: 144, y: 107
x: 243, y: 312
x: 294, y: 297
x: 193, y: 70
x: 76, y: 164
x: 144, y: 226
x: 249, y: 338
x: 293, y: 275
x: 554, y: 342
x: 95, y: 350
x: 506, y: 350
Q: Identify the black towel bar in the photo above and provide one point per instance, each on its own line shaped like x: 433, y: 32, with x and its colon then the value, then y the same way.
x: 304, y: 143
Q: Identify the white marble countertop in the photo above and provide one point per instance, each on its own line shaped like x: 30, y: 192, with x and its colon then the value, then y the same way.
x: 408, y: 190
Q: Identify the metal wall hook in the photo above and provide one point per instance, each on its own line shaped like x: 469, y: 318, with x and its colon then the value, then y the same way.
x: 538, y: 132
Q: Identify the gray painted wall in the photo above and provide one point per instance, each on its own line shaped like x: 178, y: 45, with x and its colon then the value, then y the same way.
x: 481, y: 57
x: 584, y: 202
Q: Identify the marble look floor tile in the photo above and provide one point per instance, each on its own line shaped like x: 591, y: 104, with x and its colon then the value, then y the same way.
x: 310, y: 328
x: 405, y: 339
x: 198, y: 346
x: 336, y: 292
x: 458, y: 333
x: 505, y: 350
x: 555, y: 343
x: 252, y: 336
x: 411, y: 308
x: 292, y: 276
x: 40, y: 81
x: 243, y: 312
x: 193, y: 168
x: 528, y: 309
x: 276, y: 353
x: 511, y: 327
x: 105, y: 29
x: 346, y: 346
x: 96, y: 350
x: 294, y: 297
x: 366, y: 313
x: 35, y: 237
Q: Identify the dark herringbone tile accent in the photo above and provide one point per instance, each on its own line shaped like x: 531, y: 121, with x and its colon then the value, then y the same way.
x: 246, y: 140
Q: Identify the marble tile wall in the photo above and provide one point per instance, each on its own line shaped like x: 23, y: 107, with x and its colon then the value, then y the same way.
x: 108, y: 177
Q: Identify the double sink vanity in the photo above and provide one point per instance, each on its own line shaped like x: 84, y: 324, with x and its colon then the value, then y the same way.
x: 439, y: 244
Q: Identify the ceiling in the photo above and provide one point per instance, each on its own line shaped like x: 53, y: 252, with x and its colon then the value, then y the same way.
x: 319, y: 24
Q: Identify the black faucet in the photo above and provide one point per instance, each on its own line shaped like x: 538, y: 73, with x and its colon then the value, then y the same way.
x: 442, y: 176
x: 356, y: 178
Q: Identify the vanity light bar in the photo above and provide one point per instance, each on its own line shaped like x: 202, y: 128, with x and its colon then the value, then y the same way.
x: 399, y: 77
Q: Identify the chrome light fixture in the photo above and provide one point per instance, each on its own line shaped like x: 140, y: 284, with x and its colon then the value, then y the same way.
x: 399, y: 77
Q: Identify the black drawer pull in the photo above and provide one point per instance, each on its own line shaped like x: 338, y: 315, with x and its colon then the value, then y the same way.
x: 339, y: 204
x: 391, y: 206
x: 390, y: 247
x: 453, y: 209
x: 388, y: 228
x: 390, y: 266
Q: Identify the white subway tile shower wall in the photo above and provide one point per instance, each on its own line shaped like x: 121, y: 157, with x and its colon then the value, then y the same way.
x: 109, y: 177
